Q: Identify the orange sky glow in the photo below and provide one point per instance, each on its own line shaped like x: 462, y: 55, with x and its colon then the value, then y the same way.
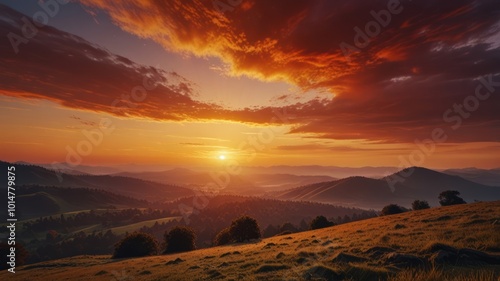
x: 186, y: 84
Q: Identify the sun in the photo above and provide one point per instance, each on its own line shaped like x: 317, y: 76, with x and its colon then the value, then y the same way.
x: 222, y: 157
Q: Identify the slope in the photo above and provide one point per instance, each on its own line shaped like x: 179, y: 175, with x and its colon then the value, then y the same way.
x: 136, y: 188
x: 461, y: 241
x: 240, y: 184
x: 38, y: 201
x: 486, y: 177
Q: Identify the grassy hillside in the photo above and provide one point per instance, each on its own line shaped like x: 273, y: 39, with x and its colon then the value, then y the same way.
x: 448, y: 243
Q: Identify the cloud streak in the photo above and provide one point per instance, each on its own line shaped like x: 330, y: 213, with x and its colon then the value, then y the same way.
x: 395, y: 90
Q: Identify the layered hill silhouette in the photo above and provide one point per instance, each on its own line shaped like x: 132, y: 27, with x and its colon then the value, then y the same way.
x: 402, y: 188
x: 486, y: 177
x: 250, y: 184
x: 131, y: 187
x: 37, y: 201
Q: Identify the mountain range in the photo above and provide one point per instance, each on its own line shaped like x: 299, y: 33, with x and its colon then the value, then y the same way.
x: 486, y: 177
x: 131, y: 187
x: 250, y: 184
x: 401, y: 188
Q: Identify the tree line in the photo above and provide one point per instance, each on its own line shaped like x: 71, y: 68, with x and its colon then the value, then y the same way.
x: 446, y: 198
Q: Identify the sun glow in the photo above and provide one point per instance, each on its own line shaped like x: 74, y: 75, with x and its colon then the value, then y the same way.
x: 222, y: 157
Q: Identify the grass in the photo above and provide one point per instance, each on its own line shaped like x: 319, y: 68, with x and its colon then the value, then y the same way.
x: 455, y: 274
x: 413, y: 234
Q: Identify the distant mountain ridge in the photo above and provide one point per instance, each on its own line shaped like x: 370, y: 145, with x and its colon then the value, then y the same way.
x: 246, y: 183
x: 131, y: 187
x: 37, y: 201
x: 302, y: 170
x: 318, y: 170
x: 487, y: 177
x: 401, y: 188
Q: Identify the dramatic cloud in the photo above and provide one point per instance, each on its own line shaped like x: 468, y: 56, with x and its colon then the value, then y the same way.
x: 394, y: 87
x: 300, y: 41
x: 71, y: 71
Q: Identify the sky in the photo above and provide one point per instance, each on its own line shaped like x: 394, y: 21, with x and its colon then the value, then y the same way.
x: 247, y: 82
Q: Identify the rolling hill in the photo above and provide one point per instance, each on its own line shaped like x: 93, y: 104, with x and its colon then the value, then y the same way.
x: 195, y: 180
x: 131, y: 187
x: 422, y: 184
x: 486, y: 177
x: 448, y: 243
x: 250, y: 184
x: 318, y: 170
x: 38, y: 201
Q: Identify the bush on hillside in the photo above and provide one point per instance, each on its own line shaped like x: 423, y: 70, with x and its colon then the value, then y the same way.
x: 244, y: 228
x: 288, y: 226
x: 136, y: 245
x: 392, y: 209
x: 420, y: 205
x: 179, y: 239
x: 320, y: 222
x: 450, y: 197
x: 223, y: 237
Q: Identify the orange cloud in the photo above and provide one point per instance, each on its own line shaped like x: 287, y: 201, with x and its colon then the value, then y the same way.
x: 439, y: 58
x: 297, y: 41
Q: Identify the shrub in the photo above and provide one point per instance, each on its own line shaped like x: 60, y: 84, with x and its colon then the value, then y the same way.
x: 320, y: 222
x: 392, y: 209
x: 179, y: 239
x: 223, y: 237
x: 136, y: 245
x: 450, y: 197
x: 287, y: 226
x: 270, y: 230
x: 244, y: 228
x: 420, y: 205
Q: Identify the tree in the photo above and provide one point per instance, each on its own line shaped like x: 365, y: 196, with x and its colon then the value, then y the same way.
x: 303, y: 226
x: 288, y: 226
x: 420, y: 205
x: 270, y: 231
x: 392, y: 209
x: 320, y: 222
x: 346, y: 219
x: 223, y: 237
x: 137, y: 244
x: 244, y: 229
x: 450, y: 197
x: 179, y: 239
